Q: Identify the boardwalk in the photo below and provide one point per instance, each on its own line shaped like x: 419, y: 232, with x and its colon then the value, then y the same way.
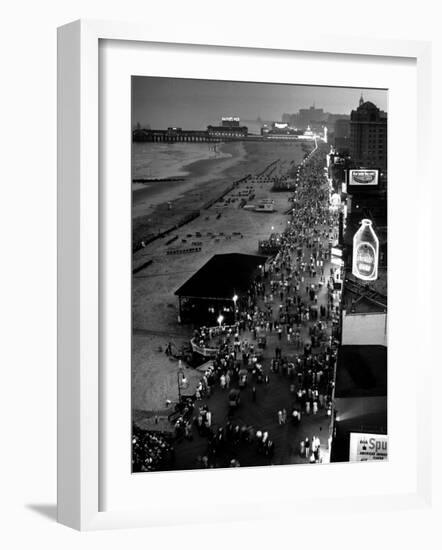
x: 262, y: 413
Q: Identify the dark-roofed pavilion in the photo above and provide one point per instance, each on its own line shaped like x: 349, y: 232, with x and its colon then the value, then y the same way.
x: 215, y: 288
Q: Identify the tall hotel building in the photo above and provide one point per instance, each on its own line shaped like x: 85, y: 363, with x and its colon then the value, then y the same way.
x: 368, y: 137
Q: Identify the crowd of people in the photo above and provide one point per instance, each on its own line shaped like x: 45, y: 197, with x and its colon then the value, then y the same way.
x: 151, y: 451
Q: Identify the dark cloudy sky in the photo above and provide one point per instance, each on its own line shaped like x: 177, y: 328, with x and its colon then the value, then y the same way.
x: 193, y: 104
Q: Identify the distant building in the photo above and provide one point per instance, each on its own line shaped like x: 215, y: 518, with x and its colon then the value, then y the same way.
x: 311, y: 116
x: 279, y: 130
x: 368, y: 136
x: 333, y: 118
x: 230, y: 129
x: 342, y: 135
x: 309, y: 134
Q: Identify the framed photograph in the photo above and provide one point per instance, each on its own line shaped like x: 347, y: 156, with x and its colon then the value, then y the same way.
x: 234, y: 225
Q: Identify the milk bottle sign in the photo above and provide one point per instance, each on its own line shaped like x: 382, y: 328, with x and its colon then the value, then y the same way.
x: 365, y: 252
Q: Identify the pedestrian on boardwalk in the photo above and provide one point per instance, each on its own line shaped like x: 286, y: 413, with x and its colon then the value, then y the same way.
x: 302, y: 448
x: 313, y: 444
x: 307, y: 447
x: 254, y: 394
x: 208, y: 421
x: 188, y: 431
x: 280, y: 421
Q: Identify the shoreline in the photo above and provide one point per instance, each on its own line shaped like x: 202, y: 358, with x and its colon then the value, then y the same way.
x: 171, y: 160
x: 208, y: 172
x: 196, y: 172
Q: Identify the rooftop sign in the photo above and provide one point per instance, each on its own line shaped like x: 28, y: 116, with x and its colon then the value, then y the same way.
x: 363, y: 177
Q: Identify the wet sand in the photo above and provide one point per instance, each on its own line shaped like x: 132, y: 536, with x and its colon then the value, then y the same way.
x: 201, y: 172
x: 154, y: 305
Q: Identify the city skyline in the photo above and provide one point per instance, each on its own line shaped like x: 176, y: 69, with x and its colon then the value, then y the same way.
x: 163, y: 102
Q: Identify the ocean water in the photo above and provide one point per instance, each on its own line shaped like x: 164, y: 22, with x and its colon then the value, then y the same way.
x: 169, y: 160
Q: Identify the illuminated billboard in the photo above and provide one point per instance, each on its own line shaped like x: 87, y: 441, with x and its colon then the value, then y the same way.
x: 337, y: 261
x: 230, y: 119
x: 365, y: 252
x: 363, y: 177
x: 365, y: 447
x: 336, y: 256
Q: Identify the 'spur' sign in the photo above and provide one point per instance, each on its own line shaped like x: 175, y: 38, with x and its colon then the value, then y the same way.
x: 365, y: 252
x: 365, y: 447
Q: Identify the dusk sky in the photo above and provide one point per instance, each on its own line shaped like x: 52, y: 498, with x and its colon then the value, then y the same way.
x: 193, y: 104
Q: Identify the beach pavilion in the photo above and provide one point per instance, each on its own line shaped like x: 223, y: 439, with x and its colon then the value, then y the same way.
x: 212, y: 294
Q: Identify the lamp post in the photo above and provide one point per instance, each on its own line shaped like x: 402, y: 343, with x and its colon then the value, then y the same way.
x: 235, y: 299
x: 220, y: 322
x: 181, y: 379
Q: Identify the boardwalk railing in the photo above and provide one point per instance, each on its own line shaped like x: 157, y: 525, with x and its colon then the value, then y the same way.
x: 205, y: 352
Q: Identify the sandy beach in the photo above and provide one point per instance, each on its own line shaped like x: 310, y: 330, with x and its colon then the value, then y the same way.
x: 222, y: 228
x: 206, y: 180
x: 193, y: 174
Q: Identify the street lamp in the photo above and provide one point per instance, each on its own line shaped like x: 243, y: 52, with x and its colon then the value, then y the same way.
x: 220, y: 322
x: 235, y: 299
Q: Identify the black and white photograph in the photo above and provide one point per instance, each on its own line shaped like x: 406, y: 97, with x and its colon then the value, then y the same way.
x: 221, y: 305
x: 259, y: 274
